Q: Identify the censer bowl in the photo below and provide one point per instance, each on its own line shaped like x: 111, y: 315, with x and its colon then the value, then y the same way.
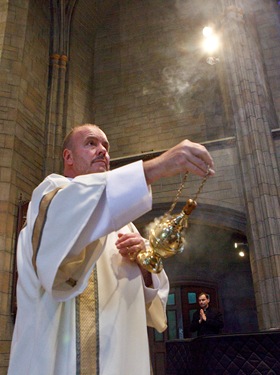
x: 165, y: 239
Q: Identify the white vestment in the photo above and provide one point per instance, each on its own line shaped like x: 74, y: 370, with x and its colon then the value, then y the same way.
x: 83, y: 309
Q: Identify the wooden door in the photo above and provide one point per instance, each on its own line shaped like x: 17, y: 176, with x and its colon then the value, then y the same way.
x: 173, y: 331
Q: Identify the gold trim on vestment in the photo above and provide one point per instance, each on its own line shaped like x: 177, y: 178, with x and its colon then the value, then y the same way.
x: 87, y: 329
x: 73, y: 267
x: 40, y: 223
x: 87, y: 316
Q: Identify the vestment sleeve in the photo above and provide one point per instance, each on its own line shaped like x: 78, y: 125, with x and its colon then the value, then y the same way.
x: 69, y: 238
x: 156, y: 300
x: 155, y: 297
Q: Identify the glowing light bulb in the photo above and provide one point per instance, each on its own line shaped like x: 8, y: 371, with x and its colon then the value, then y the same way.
x: 207, y: 31
x: 241, y: 254
x: 211, y: 43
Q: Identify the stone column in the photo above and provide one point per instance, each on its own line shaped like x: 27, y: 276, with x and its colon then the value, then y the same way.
x: 253, y: 118
x: 61, y: 15
x: 13, y: 25
x: 55, y: 113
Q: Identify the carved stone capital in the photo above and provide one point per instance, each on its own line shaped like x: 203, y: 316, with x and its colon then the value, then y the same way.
x: 59, y: 61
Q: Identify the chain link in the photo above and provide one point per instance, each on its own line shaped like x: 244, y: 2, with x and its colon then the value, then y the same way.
x: 201, y: 185
x: 179, y: 192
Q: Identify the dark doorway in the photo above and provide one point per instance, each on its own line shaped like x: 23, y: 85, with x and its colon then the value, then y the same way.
x: 182, y: 302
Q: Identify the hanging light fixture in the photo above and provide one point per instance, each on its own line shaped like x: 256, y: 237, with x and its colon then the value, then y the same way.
x: 241, y: 246
x: 210, y: 44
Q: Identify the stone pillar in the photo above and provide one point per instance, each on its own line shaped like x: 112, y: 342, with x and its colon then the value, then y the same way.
x: 13, y: 33
x: 61, y: 15
x: 55, y: 113
x: 253, y: 118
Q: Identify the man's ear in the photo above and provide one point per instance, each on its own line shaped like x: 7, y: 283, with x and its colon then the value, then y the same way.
x: 67, y: 156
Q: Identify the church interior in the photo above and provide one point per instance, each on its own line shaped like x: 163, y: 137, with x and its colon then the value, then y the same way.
x: 150, y: 74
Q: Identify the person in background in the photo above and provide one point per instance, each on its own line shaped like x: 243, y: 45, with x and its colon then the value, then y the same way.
x: 207, y: 320
x: 83, y: 301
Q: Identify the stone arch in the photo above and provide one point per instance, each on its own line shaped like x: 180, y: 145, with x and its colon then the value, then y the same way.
x: 205, y: 214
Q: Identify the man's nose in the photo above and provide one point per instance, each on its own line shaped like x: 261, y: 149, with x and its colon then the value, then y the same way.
x: 102, y: 149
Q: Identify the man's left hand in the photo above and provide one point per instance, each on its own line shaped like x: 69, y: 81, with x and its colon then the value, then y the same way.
x: 130, y: 244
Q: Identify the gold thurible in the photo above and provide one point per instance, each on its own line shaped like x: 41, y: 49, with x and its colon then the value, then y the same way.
x: 165, y: 237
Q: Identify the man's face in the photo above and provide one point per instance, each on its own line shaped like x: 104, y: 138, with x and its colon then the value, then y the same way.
x: 203, y: 301
x: 89, y: 151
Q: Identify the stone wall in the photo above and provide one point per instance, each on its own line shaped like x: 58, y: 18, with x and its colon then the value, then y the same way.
x: 87, y: 17
x: 80, y: 103
x: 153, y: 88
x: 23, y: 92
x: 141, y: 76
x: 267, y: 15
x: 3, y: 20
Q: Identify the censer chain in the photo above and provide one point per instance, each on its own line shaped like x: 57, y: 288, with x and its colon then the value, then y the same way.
x: 201, y: 186
x: 179, y: 192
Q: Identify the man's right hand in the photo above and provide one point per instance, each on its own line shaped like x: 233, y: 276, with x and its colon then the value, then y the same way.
x: 186, y: 156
